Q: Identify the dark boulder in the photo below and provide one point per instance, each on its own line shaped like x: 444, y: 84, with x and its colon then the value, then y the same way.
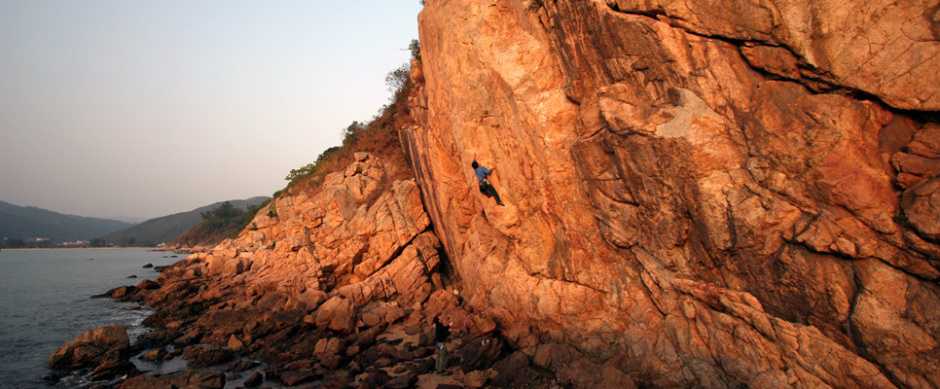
x: 254, y: 380
x: 480, y: 353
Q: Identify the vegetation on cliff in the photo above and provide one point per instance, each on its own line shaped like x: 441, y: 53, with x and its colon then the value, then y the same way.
x: 222, y: 222
x: 378, y: 136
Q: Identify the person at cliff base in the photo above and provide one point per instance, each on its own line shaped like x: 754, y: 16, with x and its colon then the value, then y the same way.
x: 440, y: 336
x: 486, y: 187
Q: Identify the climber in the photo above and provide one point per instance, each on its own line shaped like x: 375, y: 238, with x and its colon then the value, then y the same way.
x: 485, y: 187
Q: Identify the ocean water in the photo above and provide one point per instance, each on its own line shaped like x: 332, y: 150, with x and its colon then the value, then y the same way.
x: 45, y: 301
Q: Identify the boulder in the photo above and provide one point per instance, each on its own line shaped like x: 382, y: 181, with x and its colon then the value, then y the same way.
x: 92, y: 348
x: 234, y: 343
x: 479, y: 353
x: 327, y: 347
x: 337, y: 314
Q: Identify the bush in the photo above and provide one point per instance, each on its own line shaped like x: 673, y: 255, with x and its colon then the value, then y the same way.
x: 349, y: 136
x: 398, y: 82
x: 272, y: 210
x: 311, y: 168
x: 398, y: 79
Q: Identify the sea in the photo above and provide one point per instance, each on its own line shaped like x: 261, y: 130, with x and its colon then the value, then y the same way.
x: 45, y: 300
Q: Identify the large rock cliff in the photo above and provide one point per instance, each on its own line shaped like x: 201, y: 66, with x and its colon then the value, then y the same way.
x: 700, y: 193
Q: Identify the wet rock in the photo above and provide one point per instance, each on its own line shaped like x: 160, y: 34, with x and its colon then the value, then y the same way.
x: 254, y: 380
x: 148, y: 266
x: 132, y: 276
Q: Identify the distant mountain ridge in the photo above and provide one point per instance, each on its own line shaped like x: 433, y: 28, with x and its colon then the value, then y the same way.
x: 167, y: 228
x: 26, y: 222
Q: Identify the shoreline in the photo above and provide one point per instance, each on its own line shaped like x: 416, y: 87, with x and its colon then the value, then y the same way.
x: 73, y: 248
x: 153, y: 249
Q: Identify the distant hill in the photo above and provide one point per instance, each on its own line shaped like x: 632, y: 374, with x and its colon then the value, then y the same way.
x: 167, y: 228
x: 17, y: 222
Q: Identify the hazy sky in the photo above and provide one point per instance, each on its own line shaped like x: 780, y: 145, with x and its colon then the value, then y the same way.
x: 119, y: 108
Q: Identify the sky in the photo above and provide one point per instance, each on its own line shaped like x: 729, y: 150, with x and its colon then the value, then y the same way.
x: 137, y: 109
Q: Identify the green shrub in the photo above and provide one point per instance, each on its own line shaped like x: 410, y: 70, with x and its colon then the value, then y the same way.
x: 311, y: 168
x: 272, y: 210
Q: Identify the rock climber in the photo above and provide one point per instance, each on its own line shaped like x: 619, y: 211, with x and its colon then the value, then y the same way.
x: 486, y: 188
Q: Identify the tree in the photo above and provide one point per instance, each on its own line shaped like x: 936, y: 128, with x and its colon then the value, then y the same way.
x: 224, y: 215
x: 397, y: 79
x: 350, y: 132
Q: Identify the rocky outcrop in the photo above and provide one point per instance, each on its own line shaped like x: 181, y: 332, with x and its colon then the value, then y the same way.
x: 335, y: 283
x: 104, y: 350
x: 698, y: 193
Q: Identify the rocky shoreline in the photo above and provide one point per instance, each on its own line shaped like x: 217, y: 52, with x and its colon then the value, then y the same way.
x: 385, y: 346
x: 345, y: 287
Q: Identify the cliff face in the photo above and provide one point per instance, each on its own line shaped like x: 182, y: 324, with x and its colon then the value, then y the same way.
x: 698, y: 194
x: 703, y: 193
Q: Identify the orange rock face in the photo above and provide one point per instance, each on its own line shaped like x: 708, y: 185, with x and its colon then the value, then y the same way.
x: 698, y: 193
x: 358, y: 239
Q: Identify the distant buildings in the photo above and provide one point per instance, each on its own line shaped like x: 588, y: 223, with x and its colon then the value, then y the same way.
x: 75, y: 244
x: 40, y: 242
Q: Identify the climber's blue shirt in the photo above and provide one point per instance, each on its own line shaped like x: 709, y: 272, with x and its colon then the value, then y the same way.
x: 482, y: 173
